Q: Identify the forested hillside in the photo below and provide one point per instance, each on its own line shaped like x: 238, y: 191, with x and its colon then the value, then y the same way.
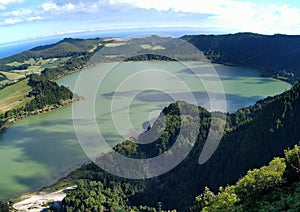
x: 55, y: 60
x: 43, y: 95
x: 65, y: 48
x: 275, y: 187
x: 276, y: 55
x: 32, y: 89
x: 253, y: 137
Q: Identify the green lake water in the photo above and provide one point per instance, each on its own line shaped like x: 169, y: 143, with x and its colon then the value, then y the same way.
x: 36, y: 151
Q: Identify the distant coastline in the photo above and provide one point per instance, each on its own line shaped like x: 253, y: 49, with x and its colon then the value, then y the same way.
x: 9, y: 49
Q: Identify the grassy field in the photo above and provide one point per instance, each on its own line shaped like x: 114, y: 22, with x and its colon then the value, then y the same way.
x: 11, y: 75
x: 15, y: 63
x: 148, y: 46
x: 114, y: 44
x: 14, y: 96
x: 35, y: 66
x: 93, y: 48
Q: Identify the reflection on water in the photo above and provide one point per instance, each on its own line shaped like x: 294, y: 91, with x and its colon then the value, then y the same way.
x: 40, y: 149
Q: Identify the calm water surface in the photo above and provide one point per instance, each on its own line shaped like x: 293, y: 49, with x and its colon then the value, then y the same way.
x: 40, y: 149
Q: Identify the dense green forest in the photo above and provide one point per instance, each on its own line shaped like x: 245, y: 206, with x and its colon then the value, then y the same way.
x: 76, y: 63
x: 149, y: 57
x: 275, y: 187
x: 276, y: 55
x: 253, y: 137
x: 45, y: 93
x: 81, y: 50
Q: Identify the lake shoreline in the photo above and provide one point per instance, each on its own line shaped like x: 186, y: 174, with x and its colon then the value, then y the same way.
x: 40, y: 111
x: 41, y: 200
x: 67, y: 175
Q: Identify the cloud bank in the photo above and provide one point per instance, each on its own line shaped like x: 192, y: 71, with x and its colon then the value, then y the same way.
x: 79, y: 15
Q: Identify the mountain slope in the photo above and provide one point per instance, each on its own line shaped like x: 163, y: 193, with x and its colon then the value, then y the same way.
x: 264, y: 134
x: 254, y: 136
x: 275, y: 187
x: 276, y: 55
x: 64, y: 48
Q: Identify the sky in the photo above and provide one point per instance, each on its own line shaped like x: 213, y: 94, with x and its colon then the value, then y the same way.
x: 29, y: 19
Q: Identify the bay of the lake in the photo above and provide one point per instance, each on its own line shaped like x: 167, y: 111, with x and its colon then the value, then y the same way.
x: 38, y: 150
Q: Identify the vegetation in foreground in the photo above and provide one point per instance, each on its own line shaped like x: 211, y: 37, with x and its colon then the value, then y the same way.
x: 275, y: 187
x: 253, y: 137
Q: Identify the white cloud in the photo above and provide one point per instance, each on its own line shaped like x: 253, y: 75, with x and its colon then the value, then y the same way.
x: 11, y: 21
x: 34, y: 18
x: 263, y: 19
x: 19, y: 16
x: 78, y: 6
x: 231, y: 14
x: 20, y: 12
x: 200, y: 6
x: 69, y: 6
x: 52, y: 9
x: 50, y: 6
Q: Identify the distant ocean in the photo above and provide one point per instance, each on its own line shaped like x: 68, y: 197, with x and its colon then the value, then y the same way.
x: 20, y: 46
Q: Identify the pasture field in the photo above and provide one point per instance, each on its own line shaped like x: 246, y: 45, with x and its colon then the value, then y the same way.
x: 14, y: 96
x: 12, y: 75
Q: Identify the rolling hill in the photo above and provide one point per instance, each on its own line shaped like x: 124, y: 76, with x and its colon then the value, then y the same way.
x: 274, y: 55
x: 253, y: 137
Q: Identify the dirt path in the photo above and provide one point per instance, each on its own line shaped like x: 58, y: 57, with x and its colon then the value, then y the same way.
x: 38, y: 202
